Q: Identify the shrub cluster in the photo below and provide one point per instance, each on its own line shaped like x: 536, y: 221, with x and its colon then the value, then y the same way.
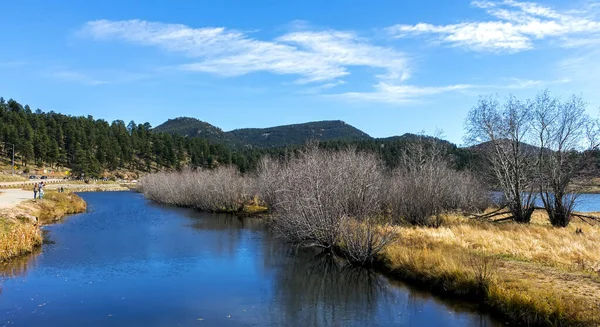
x: 328, y: 199
x: 342, y: 201
x: 223, y: 189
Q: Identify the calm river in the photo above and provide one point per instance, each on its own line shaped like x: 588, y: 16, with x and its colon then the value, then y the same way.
x: 130, y: 262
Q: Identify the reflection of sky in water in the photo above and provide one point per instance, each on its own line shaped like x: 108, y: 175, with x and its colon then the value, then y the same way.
x: 132, y: 262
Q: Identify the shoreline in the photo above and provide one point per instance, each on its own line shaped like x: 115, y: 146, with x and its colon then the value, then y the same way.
x: 20, y: 225
x: 554, y: 282
x: 516, y: 289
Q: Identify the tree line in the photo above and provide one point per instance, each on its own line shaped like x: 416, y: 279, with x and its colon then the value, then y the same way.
x: 91, y: 146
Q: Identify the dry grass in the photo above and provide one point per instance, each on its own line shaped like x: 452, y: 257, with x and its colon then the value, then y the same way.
x: 19, y: 229
x: 56, y: 205
x: 255, y: 207
x: 534, y: 274
x: 11, y: 178
x: 18, y: 237
x: 538, y: 242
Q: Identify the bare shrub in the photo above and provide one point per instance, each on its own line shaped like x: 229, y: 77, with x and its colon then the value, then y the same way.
x: 269, y: 179
x: 483, y: 267
x: 219, y: 190
x: 327, y: 199
x: 424, y: 187
x: 362, y: 242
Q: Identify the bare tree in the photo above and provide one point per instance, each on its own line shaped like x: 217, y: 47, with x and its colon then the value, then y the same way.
x: 504, y: 128
x: 561, y: 129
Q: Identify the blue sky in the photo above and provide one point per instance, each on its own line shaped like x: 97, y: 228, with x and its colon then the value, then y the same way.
x: 386, y: 67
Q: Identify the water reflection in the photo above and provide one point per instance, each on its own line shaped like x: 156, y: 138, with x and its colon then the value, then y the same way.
x: 18, y: 266
x: 317, y: 289
x: 130, y: 262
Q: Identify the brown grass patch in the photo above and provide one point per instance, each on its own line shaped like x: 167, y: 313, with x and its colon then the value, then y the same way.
x: 533, y: 274
x: 56, y: 205
x: 17, y: 238
x: 11, y: 178
x: 20, y: 232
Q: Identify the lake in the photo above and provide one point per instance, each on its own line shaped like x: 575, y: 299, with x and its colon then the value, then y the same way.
x: 128, y: 261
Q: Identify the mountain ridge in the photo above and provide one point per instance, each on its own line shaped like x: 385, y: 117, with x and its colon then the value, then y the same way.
x: 275, y: 136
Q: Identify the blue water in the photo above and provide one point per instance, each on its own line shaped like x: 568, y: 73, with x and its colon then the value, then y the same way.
x: 583, y: 203
x: 130, y: 262
x: 588, y: 203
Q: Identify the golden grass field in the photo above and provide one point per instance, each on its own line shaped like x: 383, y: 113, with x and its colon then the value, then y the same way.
x: 535, y: 274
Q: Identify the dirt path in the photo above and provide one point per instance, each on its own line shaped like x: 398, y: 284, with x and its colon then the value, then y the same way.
x: 10, y: 198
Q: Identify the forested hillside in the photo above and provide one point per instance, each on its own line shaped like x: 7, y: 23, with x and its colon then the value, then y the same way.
x: 191, y: 127
x: 271, y: 137
x: 95, y: 147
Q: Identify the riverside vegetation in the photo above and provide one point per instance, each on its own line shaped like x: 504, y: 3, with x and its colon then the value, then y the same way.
x: 20, y: 231
x: 427, y: 223
x: 413, y: 223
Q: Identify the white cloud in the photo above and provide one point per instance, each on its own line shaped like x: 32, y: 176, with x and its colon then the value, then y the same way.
x: 400, y: 93
x: 518, y: 83
x: 314, y: 56
x: 403, y: 93
x: 516, y: 26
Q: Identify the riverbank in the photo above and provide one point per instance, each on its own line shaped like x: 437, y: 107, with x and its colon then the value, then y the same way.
x: 403, y: 222
x: 93, y: 186
x: 20, y: 231
x: 532, y: 274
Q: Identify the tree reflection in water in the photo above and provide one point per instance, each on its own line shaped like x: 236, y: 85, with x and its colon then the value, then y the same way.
x: 315, y: 289
x: 312, y: 288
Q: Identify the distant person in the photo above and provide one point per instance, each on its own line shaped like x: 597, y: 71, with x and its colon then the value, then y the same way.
x: 35, y: 191
x: 41, y: 190
x: 62, y: 189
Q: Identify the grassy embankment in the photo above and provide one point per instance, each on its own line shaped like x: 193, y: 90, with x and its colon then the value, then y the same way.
x: 10, y: 178
x: 533, y: 274
x: 20, y: 227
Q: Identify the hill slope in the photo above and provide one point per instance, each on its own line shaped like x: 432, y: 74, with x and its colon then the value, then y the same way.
x: 191, y: 127
x: 298, y: 134
x: 277, y: 136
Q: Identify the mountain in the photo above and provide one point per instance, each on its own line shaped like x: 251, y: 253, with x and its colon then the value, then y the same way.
x: 277, y: 136
x: 410, y: 137
x: 191, y: 127
x: 298, y: 134
x: 489, y: 146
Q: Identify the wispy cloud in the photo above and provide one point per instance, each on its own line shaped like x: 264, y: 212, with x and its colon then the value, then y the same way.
x: 516, y: 26
x: 94, y: 78
x: 403, y: 93
x: 74, y: 76
x: 398, y: 94
x: 519, y: 83
x: 313, y: 56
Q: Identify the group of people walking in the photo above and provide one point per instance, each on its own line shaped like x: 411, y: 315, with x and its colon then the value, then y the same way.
x: 38, y: 191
